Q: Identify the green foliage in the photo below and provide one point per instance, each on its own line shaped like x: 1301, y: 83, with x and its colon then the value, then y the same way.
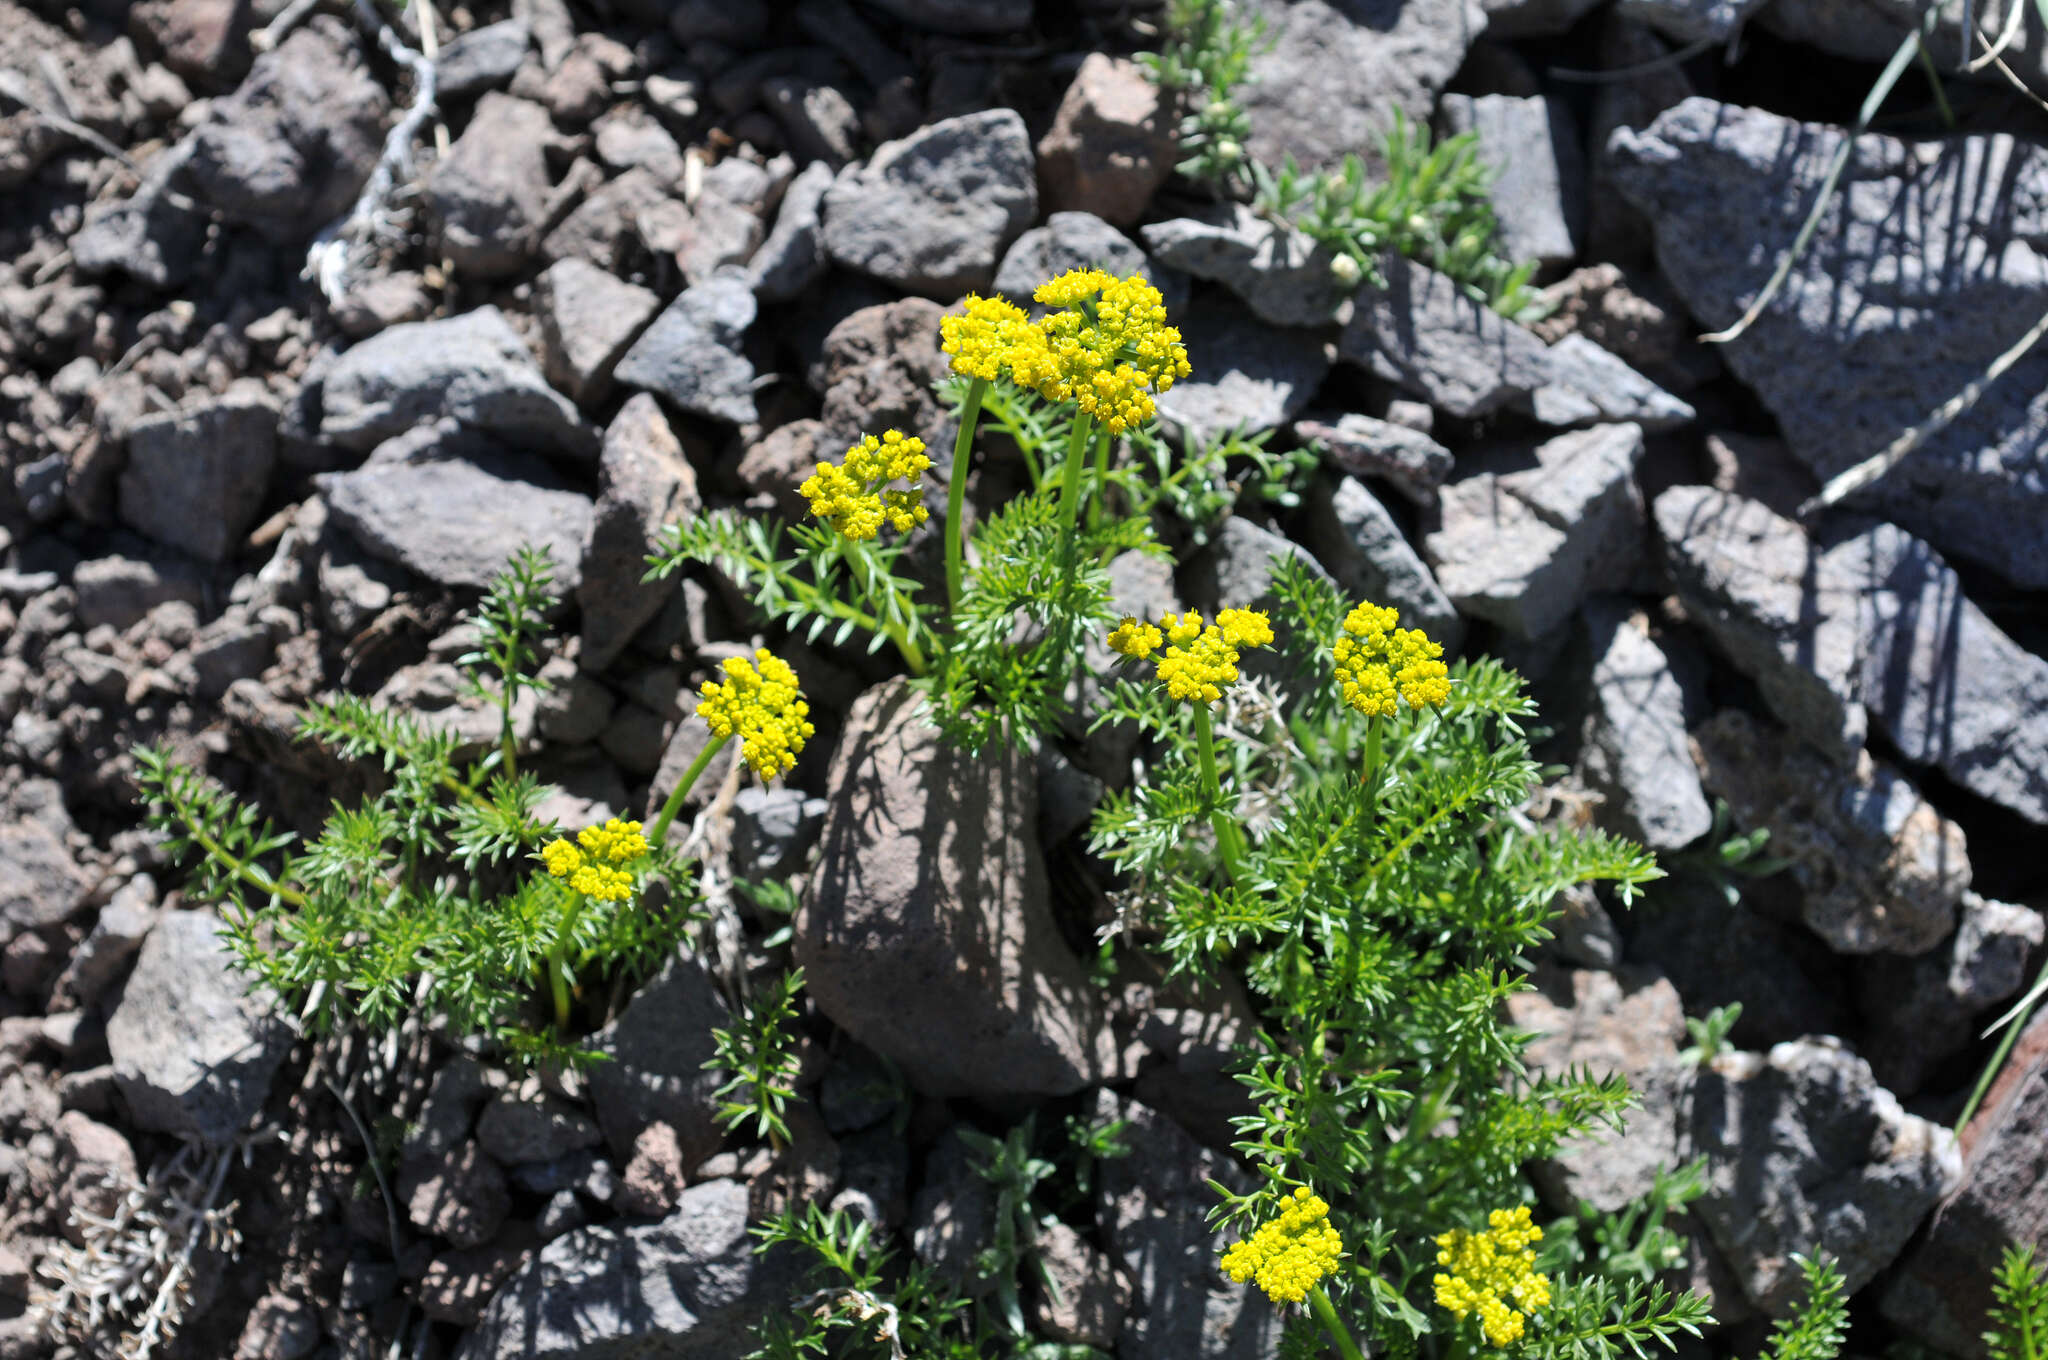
x: 760, y: 1052
x: 1709, y: 1033
x: 1379, y: 918
x: 421, y: 898
x: 1634, y: 1242
x: 1205, y: 53
x: 1728, y: 859
x: 1815, y: 1329
x: 2019, y: 1309
x: 1010, y: 1169
x: 1432, y: 207
x: 859, y: 1306
x: 1201, y: 485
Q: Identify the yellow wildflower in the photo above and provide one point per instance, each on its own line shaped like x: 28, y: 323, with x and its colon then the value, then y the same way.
x: 763, y: 708
x: 589, y: 873
x: 988, y: 337
x: 1287, y: 1256
x: 615, y: 842
x: 1131, y: 638
x: 1200, y: 658
x: 1379, y: 665
x: 1493, y: 1274
x: 848, y: 495
x: 1109, y: 346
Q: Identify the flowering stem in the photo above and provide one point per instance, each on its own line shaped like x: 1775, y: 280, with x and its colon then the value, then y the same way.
x: 659, y: 831
x: 558, y: 956
x: 1326, y: 1313
x: 1229, y: 843
x: 956, y: 493
x: 1070, y: 492
x: 913, y: 655
x: 1101, y: 479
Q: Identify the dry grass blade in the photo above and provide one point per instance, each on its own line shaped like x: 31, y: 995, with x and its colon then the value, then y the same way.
x: 1879, y: 92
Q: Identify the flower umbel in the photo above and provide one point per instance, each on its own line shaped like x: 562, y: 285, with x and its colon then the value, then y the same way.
x: 991, y: 338
x: 1379, y: 665
x: 848, y: 495
x: 1199, y: 659
x: 1287, y: 1256
x: 1110, y: 346
x: 763, y: 708
x: 595, y: 864
x: 1493, y: 1274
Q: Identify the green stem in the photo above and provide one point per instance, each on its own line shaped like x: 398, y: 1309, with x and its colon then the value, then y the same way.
x: 507, y: 747
x: 558, y: 956
x: 1070, y: 492
x: 913, y: 655
x: 956, y: 493
x: 243, y: 870
x: 1992, y: 1068
x: 1101, y: 480
x: 1326, y: 1313
x: 659, y: 831
x: 1229, y: 841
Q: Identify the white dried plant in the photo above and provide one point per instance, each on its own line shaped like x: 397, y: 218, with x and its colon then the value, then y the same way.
x: 125, y: 1288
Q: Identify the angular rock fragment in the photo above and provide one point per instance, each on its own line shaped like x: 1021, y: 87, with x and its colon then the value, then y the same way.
x: 1538, y: 191
x: 645, y: 484
x: 1364, y: 550
x: 1112, y: 143
x: 1523, y: 549
x: 927, y: 933
x: 489, y: 195
x: 691, y: 354
x: 196, y: 477
x: 1922, y: 1013
x: 1079, y: 240
x: 1247, y: 377
x: 193, y: 1048
x: 792, y: 258
x: 1633, y: 750
x: 1280, y: 273
x: 933, y: 213
x: 472, y: 368
x: 1406, y: 459
x: 1726, y: 190
x: 1879, y: 868
x: 654, y: 1063
x: 587, y: 319
x: 456, y: 522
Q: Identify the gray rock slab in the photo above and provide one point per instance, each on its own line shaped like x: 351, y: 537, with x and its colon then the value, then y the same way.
x: 1914, y: 281
x: 1878, y: 867
x: 1524, y: 549
x: 688, y: 1287
x: 473, y: 368
x: 792, y: 257
x: 691, y: 355
x: 1867, y: 623
x: 196, y: 477
x: 1277, y: 271
x: 1363, y: 446
x: 1922, y: 1013
x: 1426, y: 334
x: 1079, y: 240
x: 456, y: 521
x: 1539, y: 186
x: 654, y: 1070
x: 489, y: 195
x: 587, y: 320
x: 193, y: 1047
x: 928, y: 932
x: 481, y: 59
x: 291, y: 147
x: 645, y: 483
x: 934, y: 212
x: 1362, y: 547
x: 1247, y: 376
x: 1336, y: 70
x: 1634, y: 748
x: 45, y: 885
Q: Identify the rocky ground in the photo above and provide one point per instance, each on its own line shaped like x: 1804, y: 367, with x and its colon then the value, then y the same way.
x: 647, y: 257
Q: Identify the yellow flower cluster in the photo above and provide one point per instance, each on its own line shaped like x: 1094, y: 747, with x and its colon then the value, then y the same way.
x: 1493, y: 1274
x: 764, y: 708
x: 1289, y: 1255
x: 1105, y: 346
x: 596, y: 864
x: 1198, y: 659
x: 1378, y: 664
x: 848, y: 495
